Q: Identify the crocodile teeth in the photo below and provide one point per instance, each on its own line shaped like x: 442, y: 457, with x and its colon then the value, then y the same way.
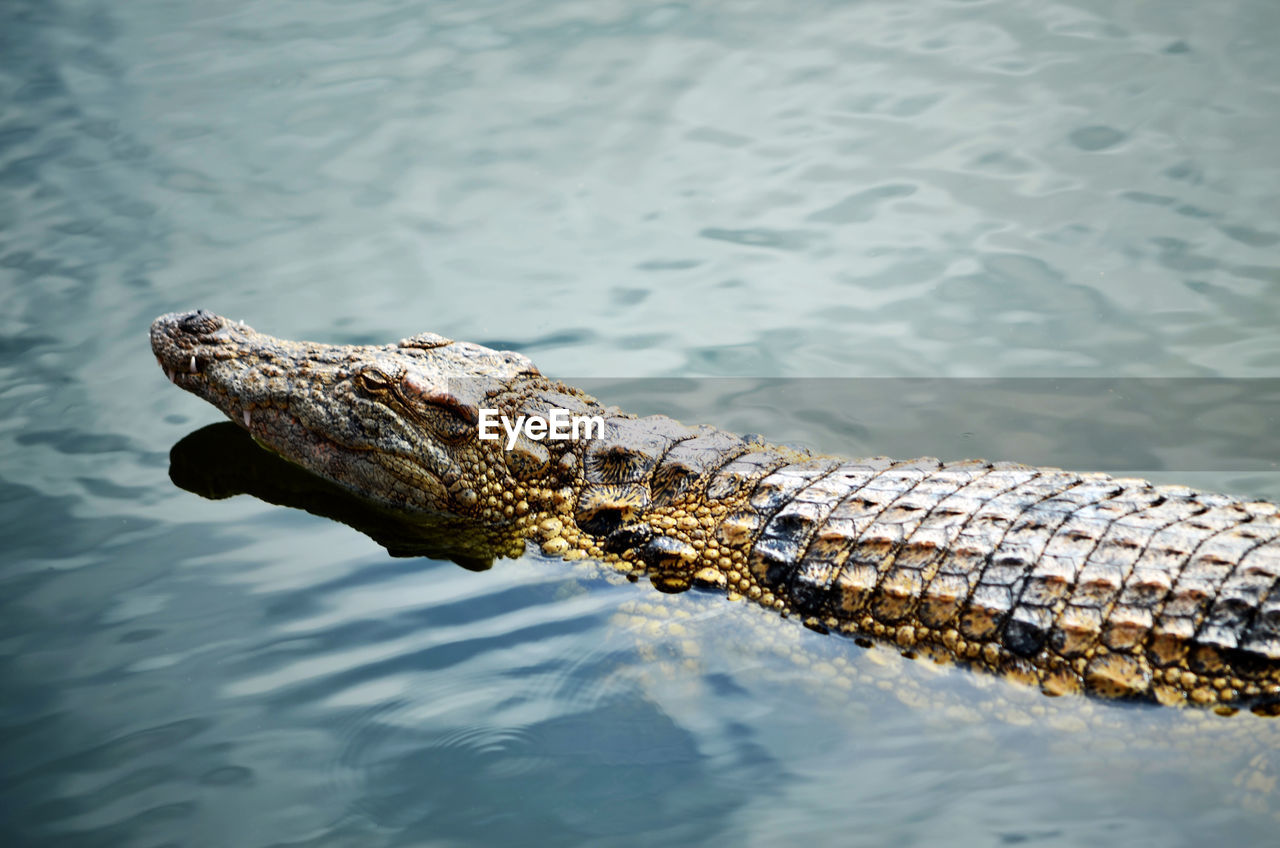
x: 169, y: 374
x: 193, y: 363
x: 246, y: 418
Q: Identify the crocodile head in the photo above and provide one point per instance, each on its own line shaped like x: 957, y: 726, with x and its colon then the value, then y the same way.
x: 392, y: 423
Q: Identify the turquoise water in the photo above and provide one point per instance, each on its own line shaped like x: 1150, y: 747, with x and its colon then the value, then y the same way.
x: 628, y: 192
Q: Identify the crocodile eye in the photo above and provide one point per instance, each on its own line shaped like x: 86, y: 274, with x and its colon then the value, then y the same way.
x: 373, y: 381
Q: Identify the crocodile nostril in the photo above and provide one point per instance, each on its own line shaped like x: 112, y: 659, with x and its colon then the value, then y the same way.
x: 199, y: 323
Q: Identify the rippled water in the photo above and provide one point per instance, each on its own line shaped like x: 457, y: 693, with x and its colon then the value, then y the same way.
x: 620, y: 190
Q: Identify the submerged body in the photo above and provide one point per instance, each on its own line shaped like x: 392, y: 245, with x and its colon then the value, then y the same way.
x: 1073, y: 582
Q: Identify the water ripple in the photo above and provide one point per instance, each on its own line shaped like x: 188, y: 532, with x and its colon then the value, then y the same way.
x: 826, y: 189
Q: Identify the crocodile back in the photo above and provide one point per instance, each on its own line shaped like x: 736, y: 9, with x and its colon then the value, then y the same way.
x: 1078, y: 580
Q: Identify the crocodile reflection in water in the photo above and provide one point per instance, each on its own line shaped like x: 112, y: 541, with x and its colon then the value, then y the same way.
x: 1072, y: 582
x: 222, y: 460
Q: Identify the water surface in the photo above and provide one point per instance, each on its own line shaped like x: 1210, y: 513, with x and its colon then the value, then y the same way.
x: 772, y: 195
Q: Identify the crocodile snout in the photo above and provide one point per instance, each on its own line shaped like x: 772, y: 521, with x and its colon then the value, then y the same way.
x: 184, y: 341
x: 200, y: 323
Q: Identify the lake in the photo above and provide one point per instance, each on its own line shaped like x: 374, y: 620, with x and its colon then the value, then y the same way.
x: 1045, y: 232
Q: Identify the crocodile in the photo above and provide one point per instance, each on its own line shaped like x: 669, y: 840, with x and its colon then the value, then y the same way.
x: 1077, y: 583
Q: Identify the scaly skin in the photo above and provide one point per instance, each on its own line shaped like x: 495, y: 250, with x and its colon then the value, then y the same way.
x: 1072, y: 582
